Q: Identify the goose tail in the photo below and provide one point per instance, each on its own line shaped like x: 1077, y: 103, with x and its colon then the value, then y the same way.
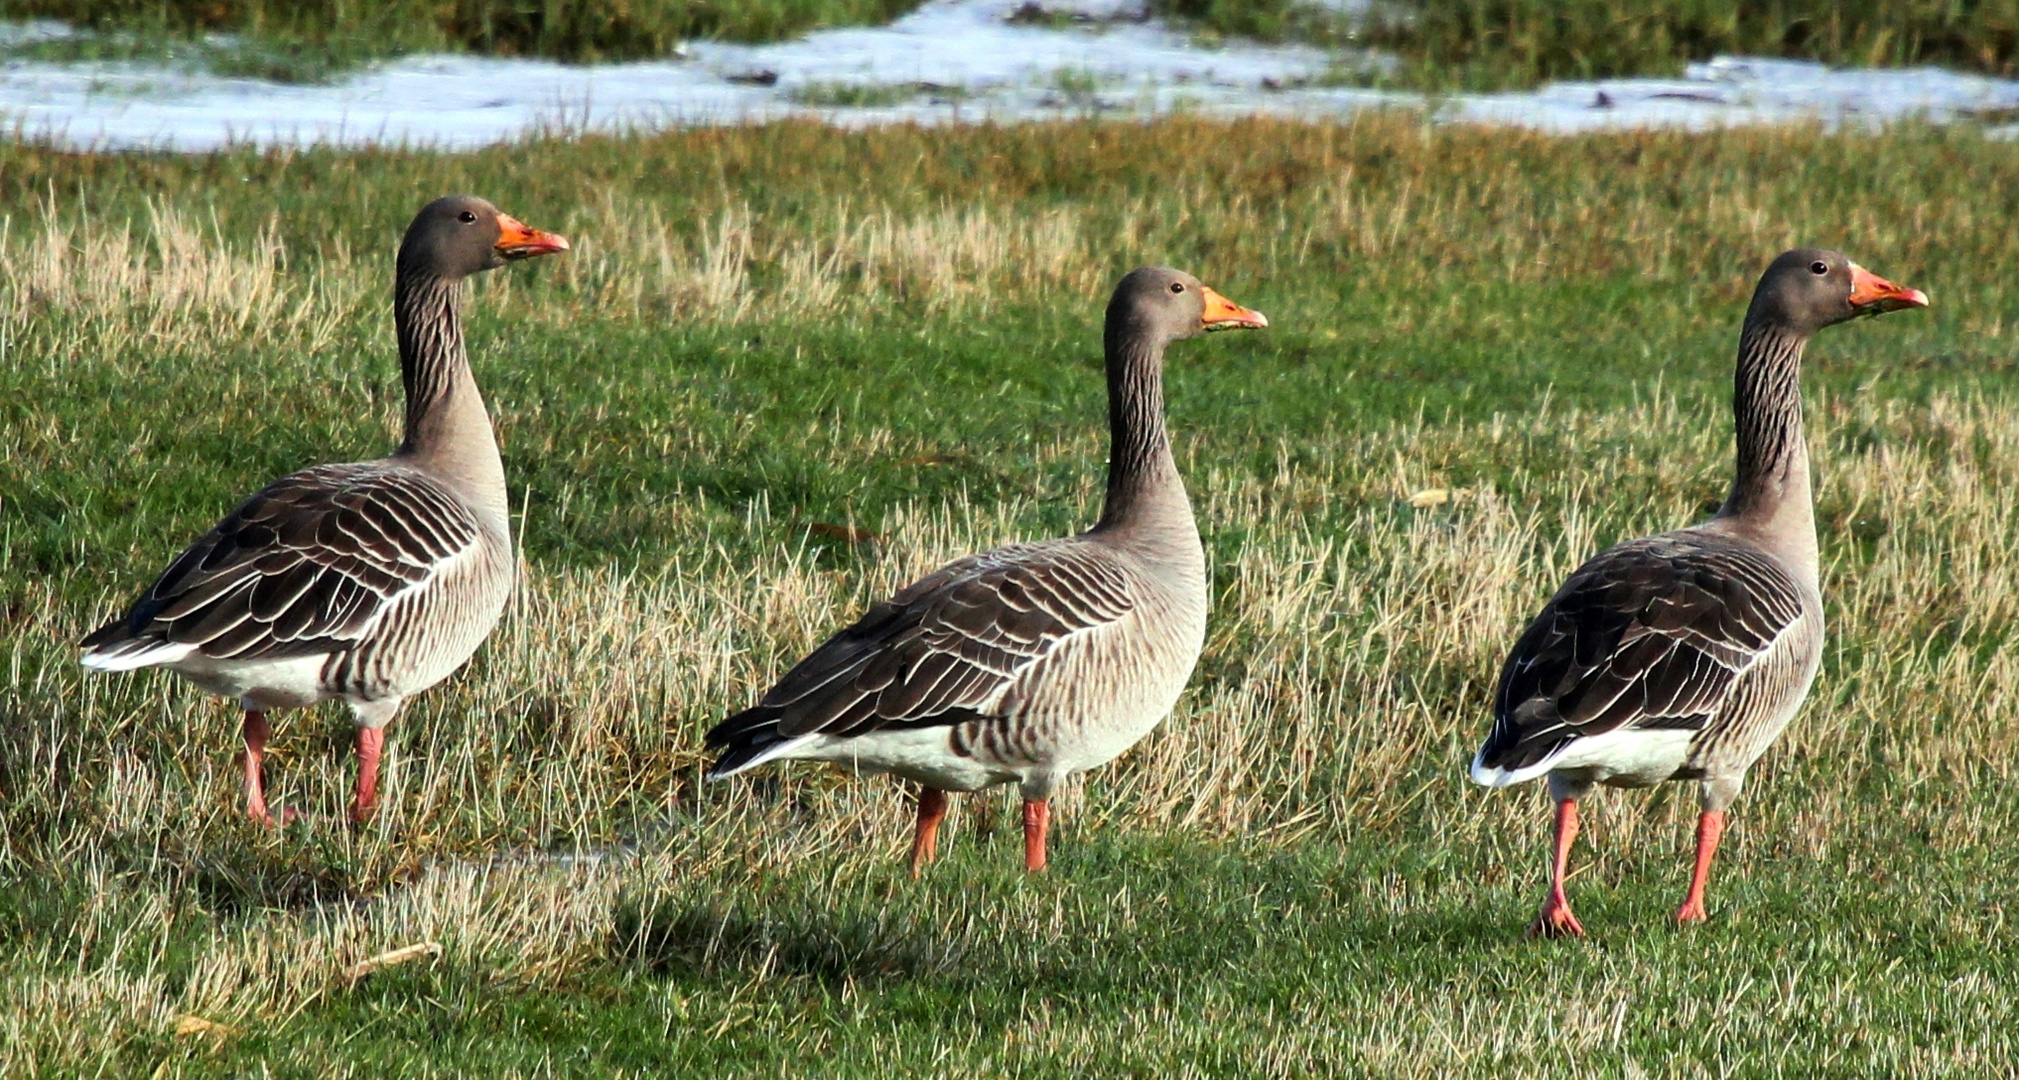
x: 749, y: 739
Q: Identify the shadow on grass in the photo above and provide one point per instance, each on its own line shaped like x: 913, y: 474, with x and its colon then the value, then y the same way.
x: 707, y: 935
x: 1116, y: 913
x: 230, y: 886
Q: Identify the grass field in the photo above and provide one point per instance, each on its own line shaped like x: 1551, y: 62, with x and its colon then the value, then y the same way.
x: 1441, y: 44
x: 1485, y: 44
x: 767, y: 337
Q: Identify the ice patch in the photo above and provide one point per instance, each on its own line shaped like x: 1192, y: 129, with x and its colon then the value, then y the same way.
x: 949, y: 61
x: 34, y: 32
x: 1736, y: 90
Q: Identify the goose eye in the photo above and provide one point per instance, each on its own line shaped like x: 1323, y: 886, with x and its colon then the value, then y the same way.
x: 1819, y: 268
x: 1177, y: 286
x: 468, y: 216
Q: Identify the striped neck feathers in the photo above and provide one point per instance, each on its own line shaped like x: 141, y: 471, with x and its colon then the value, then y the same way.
x: 447, y: 428
x: 1770, y: 484
x: 1143, y: 481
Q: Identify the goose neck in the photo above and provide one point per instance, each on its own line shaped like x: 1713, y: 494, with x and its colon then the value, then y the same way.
x: 1770, y: 483
x: 448, y: 430
x: 1143, y: 482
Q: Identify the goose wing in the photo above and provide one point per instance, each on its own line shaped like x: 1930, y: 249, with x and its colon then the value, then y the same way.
x: 1651, y: 634
x: 950, y: 647
x: 309, y: 565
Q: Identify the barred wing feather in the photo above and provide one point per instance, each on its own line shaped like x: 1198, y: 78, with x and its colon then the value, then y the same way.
x: 309, y: 565
x: 1654, y: 633
x: 949, y: 647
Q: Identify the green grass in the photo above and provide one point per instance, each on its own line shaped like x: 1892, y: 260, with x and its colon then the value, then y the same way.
x: 1174, y: 959
x: 1489, y: 44
x: 278, y: 58
x: 316, y: 39
x: 767, y: 329
x: 1262, y: 20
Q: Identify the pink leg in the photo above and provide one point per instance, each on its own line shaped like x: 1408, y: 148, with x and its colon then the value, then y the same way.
x: 1710, y: 829
x: 1556, y: 919
x: 1037, y: 822
x: 925, y: 841
x: 371, y: 742
x: 256, y: 731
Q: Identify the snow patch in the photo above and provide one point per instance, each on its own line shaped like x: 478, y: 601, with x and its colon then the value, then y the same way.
x: 949, y: 61
x: 1735, y: 90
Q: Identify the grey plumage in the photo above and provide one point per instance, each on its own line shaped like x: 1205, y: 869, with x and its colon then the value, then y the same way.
x: 308, y: 566
x: 1683, y: 656
x: 368, y: 582
x: 947, y: 647
x: 1655, y: 634
x: 1029, y: 662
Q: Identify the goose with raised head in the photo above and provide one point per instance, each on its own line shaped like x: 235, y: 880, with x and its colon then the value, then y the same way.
x: 1682, y: 656
x: 1031, y: 662
x: 368, y: 582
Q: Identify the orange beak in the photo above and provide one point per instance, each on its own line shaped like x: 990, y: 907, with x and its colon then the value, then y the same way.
x: 1872, y: 294
x: 517, y: 241
x: 1224, y: 314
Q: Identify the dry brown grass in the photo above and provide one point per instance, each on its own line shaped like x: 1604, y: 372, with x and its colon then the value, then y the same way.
x: 820, y: 263
x: 171, y: 279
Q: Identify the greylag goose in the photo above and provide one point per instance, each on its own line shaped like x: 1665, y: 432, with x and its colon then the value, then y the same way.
x: 1682, y: 656
x: 1030, y: 662
x: 368, y: 582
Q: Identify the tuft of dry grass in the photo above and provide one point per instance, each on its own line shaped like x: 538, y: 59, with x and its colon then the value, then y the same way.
x: 171, y: 278
x: 821, y: 265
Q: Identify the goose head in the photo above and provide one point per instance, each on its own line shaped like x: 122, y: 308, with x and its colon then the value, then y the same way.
x: 460, y: 235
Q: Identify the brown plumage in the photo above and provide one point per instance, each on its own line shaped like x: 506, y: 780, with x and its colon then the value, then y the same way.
x: 371, y: 581
x: 1682, y: 656
x: 1030, y: 662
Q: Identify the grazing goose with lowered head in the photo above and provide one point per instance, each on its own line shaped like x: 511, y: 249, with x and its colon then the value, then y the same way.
x: 1682, y: 656
x: 368, y: 582
x: 1030, y: 662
